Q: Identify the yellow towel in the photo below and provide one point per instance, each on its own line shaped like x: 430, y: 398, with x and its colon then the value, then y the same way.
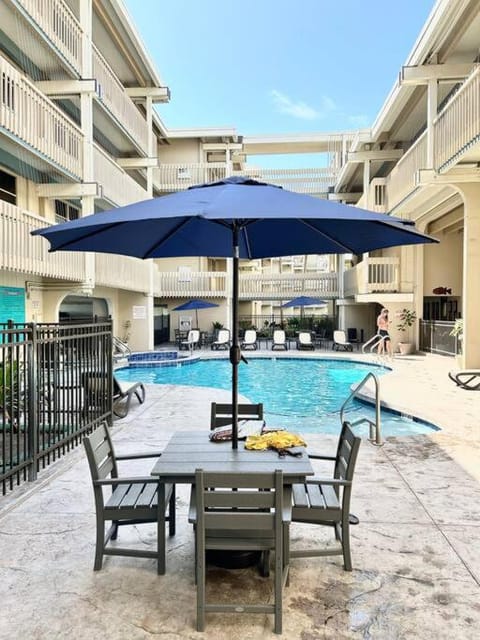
x: 275, y: 440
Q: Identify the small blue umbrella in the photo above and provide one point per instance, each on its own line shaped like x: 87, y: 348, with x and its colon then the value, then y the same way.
x: 235, y: 218
x: 304, y: 301
x: 195, y: 305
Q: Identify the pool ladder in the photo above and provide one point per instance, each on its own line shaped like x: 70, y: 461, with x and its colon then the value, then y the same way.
x: 374, y: 426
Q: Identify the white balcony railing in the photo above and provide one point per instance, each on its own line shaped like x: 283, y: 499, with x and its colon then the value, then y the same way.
x: 30, y: 116
x: 402, y: 180
x: 113, y: 95
x: 23, y: 253
x: 316, y: 180
x: 122, y: 272
x: 457, y: 127
x: 179, y: 284
x: 178, y: 176
x: 282, y: 286
x: 117, y: 186
x: 372, y: 275
x: 60, y: 25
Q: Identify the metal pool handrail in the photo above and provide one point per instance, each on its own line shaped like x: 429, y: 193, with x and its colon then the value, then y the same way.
x: 377, y: 438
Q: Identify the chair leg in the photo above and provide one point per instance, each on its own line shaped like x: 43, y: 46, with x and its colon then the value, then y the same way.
x: 161, y: 542
x: 347, y: 557
x: 114, y: 533
x: 200, y: 575
x: 99, y: 544
x: 171, y: 514
x: 278, y: 588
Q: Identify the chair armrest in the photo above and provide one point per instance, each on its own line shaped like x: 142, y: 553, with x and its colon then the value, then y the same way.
x: 287, y: 505
x: 316, y: 456
x: 134, y: 480
x: 137, y: 456
x: 335, y: 482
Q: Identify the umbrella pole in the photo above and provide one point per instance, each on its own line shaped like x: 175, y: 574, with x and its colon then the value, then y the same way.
x: 235, y: 354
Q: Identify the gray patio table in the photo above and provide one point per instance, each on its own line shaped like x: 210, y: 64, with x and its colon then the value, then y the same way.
x: 187, y: 451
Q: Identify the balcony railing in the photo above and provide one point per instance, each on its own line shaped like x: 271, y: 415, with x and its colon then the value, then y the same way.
x: 457, y: 127
x: 316, y: 180
x: 180, y: 284
x: 112, y: 94
x: 28, y: 115
x: 402, y: 180
x: 117, y: 186
x: 373, y: 275
x: 122, y: 272
x: 60, y: 25
x: 178, y: 176
x: 23, y: 253
x: 282, y: 286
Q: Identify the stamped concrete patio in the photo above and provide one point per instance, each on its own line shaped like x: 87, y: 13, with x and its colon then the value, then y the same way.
x: 415, y: 553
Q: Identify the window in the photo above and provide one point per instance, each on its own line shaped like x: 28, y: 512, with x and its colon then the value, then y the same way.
x: 8, y: 187
x: 65, y: 211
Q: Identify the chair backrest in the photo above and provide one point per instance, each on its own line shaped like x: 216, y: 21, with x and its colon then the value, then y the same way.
x: 279, y: 336
x: 193, y: 336
x: 100, y: 454
x: 246, y: 509
x: 250, y: 336
x: 346, y: 458
x: 223, y: 335
x: 352, y: 334
x: 304, y: 337
x: 339, y: 336
x: 221, y: 414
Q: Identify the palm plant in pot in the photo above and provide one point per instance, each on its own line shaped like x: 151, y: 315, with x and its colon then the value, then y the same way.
x: 407, y: 319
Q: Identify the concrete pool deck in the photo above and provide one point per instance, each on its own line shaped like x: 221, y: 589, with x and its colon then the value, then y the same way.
x: 416, y: 568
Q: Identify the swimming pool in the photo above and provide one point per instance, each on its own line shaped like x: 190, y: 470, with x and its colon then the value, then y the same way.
x: 298, y: 393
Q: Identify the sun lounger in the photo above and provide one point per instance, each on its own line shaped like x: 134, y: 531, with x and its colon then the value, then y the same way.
x: 468, y: 379
x: 340, y: 341
x: 279, y: 340
x: 249, y: 339
x: 304, y: 340
x: 222, y: 341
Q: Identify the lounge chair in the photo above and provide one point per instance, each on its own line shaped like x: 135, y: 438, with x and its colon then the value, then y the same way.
x: 122, y: 396
x: 249, y: 339
x: 340, y: 341
x: 222, y: 341
x: 279, y: 340
x: 304, y: 341
x: 192, y: 341
x: 468, y: 379
x: 96, y: 390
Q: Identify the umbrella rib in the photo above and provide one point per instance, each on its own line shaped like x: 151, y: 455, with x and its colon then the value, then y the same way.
x: 329, y: 237
x: 87, y: 235
x: 172, y: 232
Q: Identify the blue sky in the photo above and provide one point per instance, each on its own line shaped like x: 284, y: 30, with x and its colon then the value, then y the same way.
x: 277, y: 66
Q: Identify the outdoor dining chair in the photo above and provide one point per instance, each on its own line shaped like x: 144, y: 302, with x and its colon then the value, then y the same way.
x: 221, y: 414
x: 133, y: 500
x: 243, y: 512
x: 326, y: 501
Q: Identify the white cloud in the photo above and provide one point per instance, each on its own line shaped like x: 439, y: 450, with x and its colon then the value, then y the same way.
x: 299, y: 109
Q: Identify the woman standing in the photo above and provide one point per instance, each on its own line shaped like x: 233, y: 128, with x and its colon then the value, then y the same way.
x: 382, y: 326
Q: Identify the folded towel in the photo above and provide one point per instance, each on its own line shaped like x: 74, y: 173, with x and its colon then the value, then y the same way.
x: 275, y: 440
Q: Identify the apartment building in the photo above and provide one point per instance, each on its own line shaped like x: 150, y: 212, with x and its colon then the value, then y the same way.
x: 79, y: 134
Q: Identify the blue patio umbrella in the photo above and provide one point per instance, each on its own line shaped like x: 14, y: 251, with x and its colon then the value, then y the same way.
x: 233, y: 218
x: 304, y: 301
x: 195, y: 305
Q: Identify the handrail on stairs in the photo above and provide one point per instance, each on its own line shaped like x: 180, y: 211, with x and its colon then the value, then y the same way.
x: 375, y: 341
x: 374, y: 427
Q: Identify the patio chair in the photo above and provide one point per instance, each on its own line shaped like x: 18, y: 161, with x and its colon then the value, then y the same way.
x: 222, y: 341
x: 133, y: 500
x: 468, y: 379
x: 192, y: 341
x: 304, y: 341
x: 326, y: 501
x: 249, y: 340
x: 221, y: 414
x: 279, y: 340
x: 340, y: 341
x: 244, y: 512
x: 122, y: 396
x: 95, y: 394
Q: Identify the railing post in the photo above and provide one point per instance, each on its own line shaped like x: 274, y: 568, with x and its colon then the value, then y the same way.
x: 32, y: 403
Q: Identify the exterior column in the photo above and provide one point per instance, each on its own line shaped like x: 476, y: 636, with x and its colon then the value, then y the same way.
x: 471, y: 270
x: 86, y: 118
x: 152, y: 153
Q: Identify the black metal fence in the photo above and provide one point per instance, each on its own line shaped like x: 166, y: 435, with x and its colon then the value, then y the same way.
x: 45, y: 370
x: 265, y: 325
x: 435, y: 337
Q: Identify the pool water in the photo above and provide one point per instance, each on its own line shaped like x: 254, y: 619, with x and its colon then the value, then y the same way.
x: 298, y: 393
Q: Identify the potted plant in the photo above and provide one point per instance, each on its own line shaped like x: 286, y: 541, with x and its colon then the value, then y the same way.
x: 407, y: 319
x: 457, y: 332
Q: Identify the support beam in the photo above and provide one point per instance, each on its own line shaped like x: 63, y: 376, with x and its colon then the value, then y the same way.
x: 137, y: 163
x: 54, y: 190
x: 222, y: 146
x: 460, y: 174
x: 371, y: 156
x: 345, y: 197
x: 423, y: 74
x: 156, y: 94
x: 62, y: 88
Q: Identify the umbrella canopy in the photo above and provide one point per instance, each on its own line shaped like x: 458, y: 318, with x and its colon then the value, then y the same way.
x: 304, y: 301
x: 237, y: 218
x: 195, y: 305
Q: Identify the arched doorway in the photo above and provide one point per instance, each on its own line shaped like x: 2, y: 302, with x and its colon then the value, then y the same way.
x: 82, y: 308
